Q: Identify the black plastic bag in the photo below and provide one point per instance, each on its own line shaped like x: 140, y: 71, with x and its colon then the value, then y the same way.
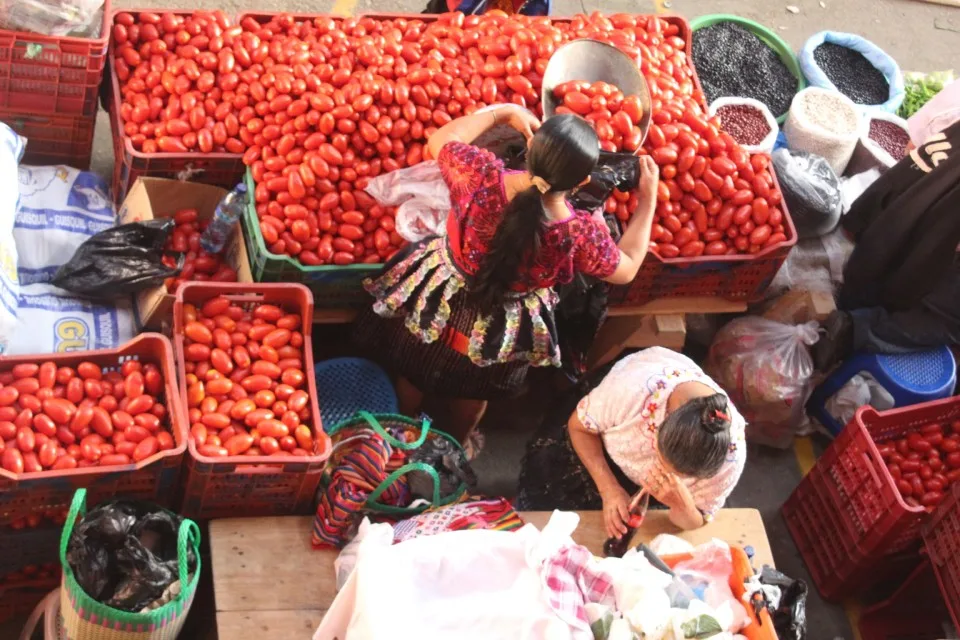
x: 811, y: 190
x: 119, y: 261
x: 580, y: 312
x: 790, y: 618
x: 124, y: 554
x: 451, y: 465
x: 619, y: 171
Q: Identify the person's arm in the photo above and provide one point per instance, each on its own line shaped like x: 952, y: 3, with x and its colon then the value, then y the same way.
x: 635, y: 241
x: 616, y: 501
x: 683, y: 512
x: 469, y: 128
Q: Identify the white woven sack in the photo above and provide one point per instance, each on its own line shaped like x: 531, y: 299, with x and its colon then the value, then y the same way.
x: 804, y: 134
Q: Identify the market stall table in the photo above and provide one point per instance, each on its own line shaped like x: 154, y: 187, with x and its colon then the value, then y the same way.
x: 270, y: 583
x: 658, y: 323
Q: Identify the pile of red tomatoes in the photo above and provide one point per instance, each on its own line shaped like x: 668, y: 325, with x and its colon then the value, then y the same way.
x: 320, y: 106
x: 924, y: 463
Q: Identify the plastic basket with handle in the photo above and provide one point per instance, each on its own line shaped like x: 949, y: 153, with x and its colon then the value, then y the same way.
x: 87, y: 619
x: 418, y: 431
x: 847, y: 516
x: 252, y: 485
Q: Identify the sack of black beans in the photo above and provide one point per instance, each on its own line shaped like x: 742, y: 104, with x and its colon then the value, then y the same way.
x: 883, y: 143
x: 825, y: 123
x: 855, y: 67
x: 749, y: 121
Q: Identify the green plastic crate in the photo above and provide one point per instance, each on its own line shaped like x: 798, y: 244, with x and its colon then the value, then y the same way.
x: 333, y: 287
x: 770, y: 38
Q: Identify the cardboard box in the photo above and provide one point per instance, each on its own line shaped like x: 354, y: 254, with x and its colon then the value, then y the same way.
x: 152, y: 198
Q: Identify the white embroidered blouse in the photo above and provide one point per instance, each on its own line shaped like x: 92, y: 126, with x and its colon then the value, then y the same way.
x: 627, y: 408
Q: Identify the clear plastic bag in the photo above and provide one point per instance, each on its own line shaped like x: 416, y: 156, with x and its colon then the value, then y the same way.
x: 814, y: 264
x: 811, y: 189
x: 77, y: 18
x: 766, y: 368
x: 421, y: 197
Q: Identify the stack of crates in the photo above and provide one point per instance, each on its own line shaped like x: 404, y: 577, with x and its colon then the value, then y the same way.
x: 49, y: 92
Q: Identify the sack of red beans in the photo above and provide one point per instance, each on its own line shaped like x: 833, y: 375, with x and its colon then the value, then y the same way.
x: 749, y: 121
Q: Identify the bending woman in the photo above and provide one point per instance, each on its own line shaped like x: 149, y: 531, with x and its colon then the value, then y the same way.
x: 463, y: 317
x: 655, y: 420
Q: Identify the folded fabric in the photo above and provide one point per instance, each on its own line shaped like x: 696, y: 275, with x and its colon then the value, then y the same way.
x: 361, y: 461
x: 495, y: 514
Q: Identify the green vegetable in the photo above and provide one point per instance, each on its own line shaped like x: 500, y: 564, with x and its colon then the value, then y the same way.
x: 921, y: 88
x: 702, y: 627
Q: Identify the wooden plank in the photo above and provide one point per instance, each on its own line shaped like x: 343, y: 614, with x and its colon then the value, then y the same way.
x: 264, y: 625
x: 267, y: 564
x: 703, y: 304
x: 661, y: 306
x: 266, y: 576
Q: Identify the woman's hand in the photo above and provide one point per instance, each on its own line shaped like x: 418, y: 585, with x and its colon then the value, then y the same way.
x: 616, y: 510
x: 519, y: 118
x: 649, y: 178
x: 683, y: 511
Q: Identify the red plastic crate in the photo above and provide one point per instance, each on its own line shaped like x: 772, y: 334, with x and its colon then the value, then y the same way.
x: 914, y: 612
x: 252, y: 485
x: 20, y: 548
x: 155, y: 479
x: 52, y: 138
x: 847, y: 516
x: 19, y: 599
x: 219, y: 169
x: 52, y: 74
x: 941, y: 538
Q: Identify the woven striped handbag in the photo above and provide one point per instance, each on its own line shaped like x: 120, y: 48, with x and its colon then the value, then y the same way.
x: 86, y: 619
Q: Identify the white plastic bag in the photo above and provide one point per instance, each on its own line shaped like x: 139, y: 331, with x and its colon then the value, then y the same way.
x: 421, y: 197
x: 11, y: 150
x: 804, y: 132
x: 51, y: 320
x: 766, y: 368
x: 708, y: 574
x: 764, y: 146
x: 380, y: 534
x: 60, y: 208
x: 874, y: 54
x: 853, y: 187
x: 860, y: 390
x: 474, y: 584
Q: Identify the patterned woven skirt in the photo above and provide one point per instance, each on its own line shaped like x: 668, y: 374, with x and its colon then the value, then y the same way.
x: 424, y: 326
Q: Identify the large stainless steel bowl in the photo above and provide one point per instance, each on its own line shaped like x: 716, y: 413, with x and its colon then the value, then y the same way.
x: 592, y: 60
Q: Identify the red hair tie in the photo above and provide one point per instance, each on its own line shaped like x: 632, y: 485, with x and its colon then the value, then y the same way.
x: 720, y: 414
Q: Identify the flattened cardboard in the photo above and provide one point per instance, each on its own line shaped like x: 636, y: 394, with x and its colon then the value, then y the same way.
x: 152, y: 198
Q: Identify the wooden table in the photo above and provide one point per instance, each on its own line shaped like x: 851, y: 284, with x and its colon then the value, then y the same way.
x: 657, y: 323
x: 269, y: 583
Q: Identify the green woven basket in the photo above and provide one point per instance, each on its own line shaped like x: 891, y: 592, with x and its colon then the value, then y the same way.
x: 769, y: 38
x: 87, y: 619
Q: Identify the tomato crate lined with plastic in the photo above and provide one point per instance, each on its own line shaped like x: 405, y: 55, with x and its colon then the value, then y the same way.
x: 60, y: 75
x: 847, y: 516
x: 53, y: 138
x: 220, y: 169
x: 250, y: 485
x: 941, y: 539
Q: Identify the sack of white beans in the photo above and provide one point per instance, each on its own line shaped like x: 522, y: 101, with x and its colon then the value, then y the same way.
x: 749, y: 121
x: 825, y: 123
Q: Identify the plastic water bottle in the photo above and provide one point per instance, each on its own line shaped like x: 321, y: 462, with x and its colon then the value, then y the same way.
x: 226, y: 215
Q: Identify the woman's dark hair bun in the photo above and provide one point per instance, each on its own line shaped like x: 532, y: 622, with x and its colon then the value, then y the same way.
x: 715, y: 416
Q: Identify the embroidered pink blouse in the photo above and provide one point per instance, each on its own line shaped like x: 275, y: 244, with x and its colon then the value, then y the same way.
x: 477, y: 202
x: 627, y: 408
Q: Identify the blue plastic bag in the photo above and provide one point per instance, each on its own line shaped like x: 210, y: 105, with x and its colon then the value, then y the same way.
x: 877, y: 57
